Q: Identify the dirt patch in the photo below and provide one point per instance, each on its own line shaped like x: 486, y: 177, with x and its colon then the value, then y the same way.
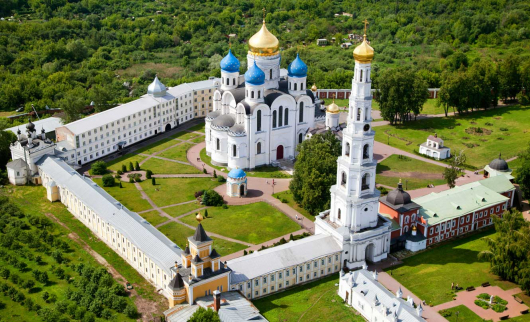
x: 147, y: 308
x: 163, y: 70
x: 412, y: 174
x: 478, y: 131
x: 397, y: 137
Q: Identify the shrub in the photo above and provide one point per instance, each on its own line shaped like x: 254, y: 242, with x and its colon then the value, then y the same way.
x: 99, y: 168
x: 484, y: 296
x: 214, y: 174
x: 445, y: 313
x: 221, y: 179
x: 130, y: 311
x: 123, y: 168
x: 499, y: 300
x: 131, y: 168
x: 245, y: 252
x: 148, y: 174
x: 131, y: 180
x: 153, y: 181
x: 136, y: 166
x: 205, y: 213
x: 121, y: 184
x: 204, y: 170
x: 284, y: 201
x: 199, y: 193
x: 138, y: 179
x: 498, y: 308
x: 225, y: 206
x: 119, y: 172
x: 117, y: 176
x: 482, y: 304
x: 504, y: 129
x: 108, y: 180
x: 212, y: 198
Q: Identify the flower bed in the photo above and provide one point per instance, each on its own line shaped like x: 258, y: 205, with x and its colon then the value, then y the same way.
x: 498, y: 305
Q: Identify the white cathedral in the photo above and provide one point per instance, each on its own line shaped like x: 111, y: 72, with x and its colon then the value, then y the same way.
x: 260, y: 117
x: 353, y: 219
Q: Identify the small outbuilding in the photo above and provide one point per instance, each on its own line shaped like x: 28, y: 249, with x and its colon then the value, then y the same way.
x: 236, y: 183
x: 434, y: 148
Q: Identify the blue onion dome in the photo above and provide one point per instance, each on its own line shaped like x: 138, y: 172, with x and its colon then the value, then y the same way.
x: 230, y: 63
x: 254, y: 75
x: 297, y: 68
x: 236, y: 173
x: 156, y: 88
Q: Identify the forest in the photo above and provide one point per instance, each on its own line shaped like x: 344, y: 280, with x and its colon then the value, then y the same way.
x: 65, y: 54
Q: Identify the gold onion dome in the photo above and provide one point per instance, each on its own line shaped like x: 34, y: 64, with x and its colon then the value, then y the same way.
x: 263, y: 43
x: 314, y: 88
x: 333, y: 108
x: 363, y: 53
x: 199, y: 217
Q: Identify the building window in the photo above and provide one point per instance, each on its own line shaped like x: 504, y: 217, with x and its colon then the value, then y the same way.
x: 338, y: 216
x: 287, y: 116
x: 258, y: 148
x: 301, y: 112
x: 343, y: 179
x: 300, y: 138
x: 234, y: 150
x: 274, y: 119
x: 259, y: 120
x: 365, y: 185
x: 218, y: 143
x: 366, y: 149
x: 280, y: 118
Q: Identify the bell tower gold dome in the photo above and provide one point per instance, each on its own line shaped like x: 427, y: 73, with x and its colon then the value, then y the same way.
x: 364, y: 53
x: 263, y: 43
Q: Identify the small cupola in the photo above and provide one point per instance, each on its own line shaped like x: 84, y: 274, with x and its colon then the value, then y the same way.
x: 254, y: 84
x: 156, y: 88
x: 229, y: 71
x: 297, y: 73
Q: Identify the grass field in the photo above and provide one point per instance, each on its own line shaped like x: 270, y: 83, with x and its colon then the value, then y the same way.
x: 455, y: 261
x: 179, y: 235
x: 158, y: 146
x: 287, y: 195
x: 115, y: 164
x: 414, y: 173
x: 197, y: 128
x: 159, y: 166
x: 464, y: 314
x: 509, y: 126
x: 185, y: 135
x: 170, y: 191
x: 153, y: 217
x: 176, y: 211
x: 312, y: 302
x: 253, y: 223
x: 178, y: 152
x: 129, y: 196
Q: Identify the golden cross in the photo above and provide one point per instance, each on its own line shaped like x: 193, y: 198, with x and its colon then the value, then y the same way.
x: 264, y: 10
x: 365, y: 25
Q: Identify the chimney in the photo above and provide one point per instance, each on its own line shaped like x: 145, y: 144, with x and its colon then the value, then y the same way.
x: 190, y: 278
x: 216, y: 300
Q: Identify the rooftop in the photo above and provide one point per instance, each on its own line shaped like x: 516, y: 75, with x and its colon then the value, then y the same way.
x: 49, y: 124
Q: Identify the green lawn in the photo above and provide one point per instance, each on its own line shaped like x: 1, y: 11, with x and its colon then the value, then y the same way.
x: 268, y: 171
x: 185, y: 135
x: 287, y: 195
x: 253, y: 223
x: 158, y: 146
x: 315, y: 301
x: 179, y: 235
x: 479, y: 149
x: 176, y: 190
x: 428, y: 108
x: 414, y: 173
x: 129, y: 196
x: 197, y: 128
x: 159, y: 166
x: 176, y: 211
x: 515, y: 165
x: 115, y: 164
x: 455, y: 261
x: 153, y: 217
x: 178, y: 152
x: 464, y: 314
x: 208, y: 160
x: 198, y: 139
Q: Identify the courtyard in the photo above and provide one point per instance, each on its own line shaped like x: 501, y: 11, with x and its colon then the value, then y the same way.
x: 415, y: 174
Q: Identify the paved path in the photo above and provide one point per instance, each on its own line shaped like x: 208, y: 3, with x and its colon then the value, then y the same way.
x: 468, y: 299
x: 183, y: 175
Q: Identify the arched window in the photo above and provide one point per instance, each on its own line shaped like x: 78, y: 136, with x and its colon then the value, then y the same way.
x: 406, y: 228
x: 251, y: 94
x: 301, y: 112
x: 289, y: 85
x: 302, y: 86
x: 365, y: 184
x: 258, y: 148
x: 300, y: 138
x: 338, y: 214
x: 218, y: 144
x: 234, y: 150
x: 270, y: 74
x: 347, y: 149
x: 366, y: 154
x: 280, y: 119
x: 274, y: 119
x: 287, y: 116
x: 406, y: 219
x: 361, y: 78
x: 358, y: 114
x: 295, y: 86
x: 259, y: 120
x: 343, y: 179
x: 413, y: 217
x: 259, y: 94
x: 233, y: 81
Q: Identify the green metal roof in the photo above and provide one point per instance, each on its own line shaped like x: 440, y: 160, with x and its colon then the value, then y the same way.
x: 456, y: 202
x: 498, y: 184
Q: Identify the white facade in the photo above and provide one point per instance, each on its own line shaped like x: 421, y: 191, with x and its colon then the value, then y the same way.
x: 353, y: 218
x: 362, y: 291
x: 434, y: 148
x: 101, y: 134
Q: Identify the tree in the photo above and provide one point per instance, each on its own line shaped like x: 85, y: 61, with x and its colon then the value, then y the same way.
x: 454, y: 92
x: 72, y: 104
x: 148, y: 174
x: 153, y: 181
x: 452, y: 172
x: 315, y: 171
x: 522, y: 175
x: 508, y: 251
x: 205, y: 213
x: 130, y: 311
x: 401, y: 92
x: 123, y: 168
x: 136, y: 166
x: 121, y: 186
x: 214, y: 174
x: 6, y: 138
x: 509, y: 77
x: 204, y: 315
x: 131, y: 168
x: 99, y: 168
x: 212, y: 198
x: 108, y: 180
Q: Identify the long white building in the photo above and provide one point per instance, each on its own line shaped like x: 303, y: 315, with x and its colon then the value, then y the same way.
x: 160, y: 110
